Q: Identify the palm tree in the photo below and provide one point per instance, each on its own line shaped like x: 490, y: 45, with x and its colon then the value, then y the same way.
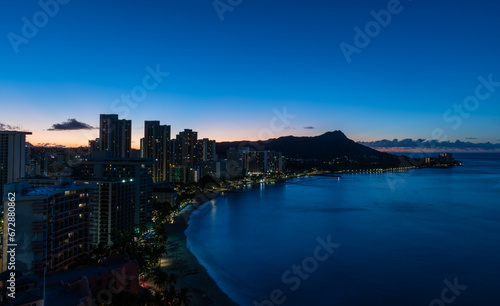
x: 163, y: 279
x: 183, y: 297
x: 166, y: 293
x: 100, y: 252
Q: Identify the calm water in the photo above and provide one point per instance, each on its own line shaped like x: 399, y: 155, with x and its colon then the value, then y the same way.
x: 401, y: 236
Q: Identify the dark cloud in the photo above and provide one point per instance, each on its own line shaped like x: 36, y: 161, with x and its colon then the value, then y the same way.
x: 50, y: 145
x: 71, y: 124
x: 470, y: 138
x: 430, y: 144
x: 309, y: 127
x: 6, y: 127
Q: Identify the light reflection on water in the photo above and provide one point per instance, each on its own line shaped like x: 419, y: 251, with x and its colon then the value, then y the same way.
x: 397, y: 246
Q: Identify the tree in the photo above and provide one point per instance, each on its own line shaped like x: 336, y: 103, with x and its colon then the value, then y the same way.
x: 166, y: 292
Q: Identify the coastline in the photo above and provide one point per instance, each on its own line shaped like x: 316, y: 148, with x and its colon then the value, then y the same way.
x: 185, y: 266
x: 181, y: 262
x: 189, y: 272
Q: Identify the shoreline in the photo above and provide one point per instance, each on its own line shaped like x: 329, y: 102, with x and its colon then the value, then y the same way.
x: 182, y: 263
x: 190, y: 273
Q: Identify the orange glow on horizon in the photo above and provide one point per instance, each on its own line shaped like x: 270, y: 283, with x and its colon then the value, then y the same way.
x: 80, y: 138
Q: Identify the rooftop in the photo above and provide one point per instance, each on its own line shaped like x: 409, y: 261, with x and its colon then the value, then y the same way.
x: 46, y: 190
x: 15, y: 132
x: 76, y: 274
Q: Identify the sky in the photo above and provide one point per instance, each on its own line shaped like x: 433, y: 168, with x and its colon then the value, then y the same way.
x: 241, y: 69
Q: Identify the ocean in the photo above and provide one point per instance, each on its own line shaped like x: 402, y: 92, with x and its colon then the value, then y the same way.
x: 423, y: 237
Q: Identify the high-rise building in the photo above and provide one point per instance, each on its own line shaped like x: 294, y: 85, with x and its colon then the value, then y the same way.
x: 185, y: 175
x: 94, y: 145
x: 217, y: 169
x: 446, y: 157
x: 205, y: 150
x: 54, y: 232
x: 164, y: 193
x: 12, y: 156
x: 102, y: 166
x: 115, y: 135
x: 237, y: 162
x: 156, y: 145
x: 112, y: 209
x: 185, y: 144
x: 173, y: 152
x: 263, y: 162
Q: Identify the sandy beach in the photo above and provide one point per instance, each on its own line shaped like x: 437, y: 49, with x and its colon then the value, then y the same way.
x: 182, y: 263
x: 190, y: 273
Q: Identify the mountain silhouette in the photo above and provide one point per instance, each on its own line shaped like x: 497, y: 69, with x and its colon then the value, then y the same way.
x: 326, y: 146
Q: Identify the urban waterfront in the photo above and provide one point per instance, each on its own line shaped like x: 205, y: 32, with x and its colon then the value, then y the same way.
x: 422, y: 237
x: 278, y: 126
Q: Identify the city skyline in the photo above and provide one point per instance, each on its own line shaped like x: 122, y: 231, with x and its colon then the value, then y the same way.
x: 408, y: 145
x: 237, y: 152
x: 228, y: 78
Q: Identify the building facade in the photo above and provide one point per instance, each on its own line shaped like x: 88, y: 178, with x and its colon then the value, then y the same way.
x: 112, y: 209
x: 54, y: 232
x: 115, y: 135
x: 156, y: 145
x: 184, y: 146
x: 264, y: 162
x: 103, y: 166
x: 12, y: 156
x: 205, y: 150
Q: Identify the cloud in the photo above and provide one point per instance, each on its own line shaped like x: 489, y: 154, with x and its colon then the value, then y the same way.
x: 71, y: 124
x: 6, y: 127
x: 309, y: 127
x: 49, y: 145
x: 423, y: 144
x: 470, y: 138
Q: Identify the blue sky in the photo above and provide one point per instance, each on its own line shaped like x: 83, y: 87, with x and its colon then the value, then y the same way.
x: 227, y: 76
